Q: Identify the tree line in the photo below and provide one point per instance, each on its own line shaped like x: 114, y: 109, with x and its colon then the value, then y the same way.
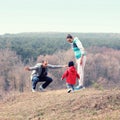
x: 31, y: 45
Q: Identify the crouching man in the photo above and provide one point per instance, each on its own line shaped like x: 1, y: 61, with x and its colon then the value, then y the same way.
x: 39, y: 74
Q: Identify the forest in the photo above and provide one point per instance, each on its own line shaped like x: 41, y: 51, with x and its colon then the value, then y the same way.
x: 18, y: 50
x: 31, y: 45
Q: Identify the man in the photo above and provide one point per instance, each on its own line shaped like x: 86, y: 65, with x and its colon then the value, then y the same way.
x: 39, y: 74
x: 80, y: 56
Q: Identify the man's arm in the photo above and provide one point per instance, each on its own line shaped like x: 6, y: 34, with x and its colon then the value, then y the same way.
x: 80, y: 46
x: 31, y: 68
x: 56, y: 66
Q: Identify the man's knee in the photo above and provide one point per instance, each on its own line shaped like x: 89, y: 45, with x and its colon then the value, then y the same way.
x: 35, y: 79
x: 50, y: 79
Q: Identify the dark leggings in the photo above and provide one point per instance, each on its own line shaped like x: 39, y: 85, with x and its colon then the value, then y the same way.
x: 46, y: 79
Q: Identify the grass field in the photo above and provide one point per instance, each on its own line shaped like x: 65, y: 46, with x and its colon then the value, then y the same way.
x: 88, y: 104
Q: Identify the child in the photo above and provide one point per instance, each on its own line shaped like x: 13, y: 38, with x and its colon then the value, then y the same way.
x: 70, y: 75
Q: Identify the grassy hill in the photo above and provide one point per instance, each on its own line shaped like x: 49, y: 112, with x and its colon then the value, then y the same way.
x: 89, y: 104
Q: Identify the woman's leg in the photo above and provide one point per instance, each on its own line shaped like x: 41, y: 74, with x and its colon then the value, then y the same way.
x: 80, y: 69
x: 83, y: 68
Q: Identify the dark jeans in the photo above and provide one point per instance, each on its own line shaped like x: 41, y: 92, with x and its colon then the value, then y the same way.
x: 45, y: 79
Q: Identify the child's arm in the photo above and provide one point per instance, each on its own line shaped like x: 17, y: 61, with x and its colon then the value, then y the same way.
x: 65, y: 75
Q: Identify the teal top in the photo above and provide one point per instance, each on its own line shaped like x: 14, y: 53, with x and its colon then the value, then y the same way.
x: 77, y: 48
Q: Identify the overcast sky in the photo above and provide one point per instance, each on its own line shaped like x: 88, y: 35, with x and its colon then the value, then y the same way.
x: 59, y: 16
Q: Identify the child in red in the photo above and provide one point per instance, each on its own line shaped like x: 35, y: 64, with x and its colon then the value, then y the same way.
x: 71, y: 75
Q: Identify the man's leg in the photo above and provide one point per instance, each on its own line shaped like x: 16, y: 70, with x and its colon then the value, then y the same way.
x: 47, y: 80
x: 35, y: 80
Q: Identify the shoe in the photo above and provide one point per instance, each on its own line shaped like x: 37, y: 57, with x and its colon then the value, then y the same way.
x: 33, y: 90
x: 41, y: 88
x: 72, y: 91
x: 79, y: 88
x: 69, y: 90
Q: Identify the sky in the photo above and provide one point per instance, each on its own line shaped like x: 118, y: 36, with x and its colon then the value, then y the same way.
x: 59, y: 16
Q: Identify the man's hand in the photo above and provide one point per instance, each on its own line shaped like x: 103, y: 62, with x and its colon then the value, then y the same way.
x: 64, y: 66
x: 81, y: 61
x: 27, y: 68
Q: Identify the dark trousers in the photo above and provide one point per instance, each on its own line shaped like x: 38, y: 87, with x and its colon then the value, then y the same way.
x: 45, y: 79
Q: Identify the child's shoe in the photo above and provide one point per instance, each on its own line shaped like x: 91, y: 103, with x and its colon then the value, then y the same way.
x: 69, y: 90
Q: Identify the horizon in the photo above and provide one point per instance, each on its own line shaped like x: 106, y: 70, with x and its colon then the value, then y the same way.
x: 15, y: 33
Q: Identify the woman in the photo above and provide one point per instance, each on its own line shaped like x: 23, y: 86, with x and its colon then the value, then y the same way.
x: 80, y: 56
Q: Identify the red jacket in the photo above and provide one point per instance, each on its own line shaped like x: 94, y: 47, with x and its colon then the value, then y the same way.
x: 71, y: 75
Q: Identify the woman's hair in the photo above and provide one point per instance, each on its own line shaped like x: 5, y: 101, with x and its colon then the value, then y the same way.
x: 69, y: 36
x: 71, y: 63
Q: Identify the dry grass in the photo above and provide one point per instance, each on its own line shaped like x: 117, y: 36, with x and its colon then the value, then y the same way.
x: 89, y: 104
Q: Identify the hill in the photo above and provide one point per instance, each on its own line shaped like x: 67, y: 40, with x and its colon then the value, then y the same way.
x: 89, y: 104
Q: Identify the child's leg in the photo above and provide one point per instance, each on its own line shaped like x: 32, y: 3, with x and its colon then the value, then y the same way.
x: 69, y: 87
x: 73, y: 88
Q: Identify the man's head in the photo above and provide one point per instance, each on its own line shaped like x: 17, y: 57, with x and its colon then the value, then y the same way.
x: 70, y: 64
x: 69, y: 38
x: 44, y: 63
